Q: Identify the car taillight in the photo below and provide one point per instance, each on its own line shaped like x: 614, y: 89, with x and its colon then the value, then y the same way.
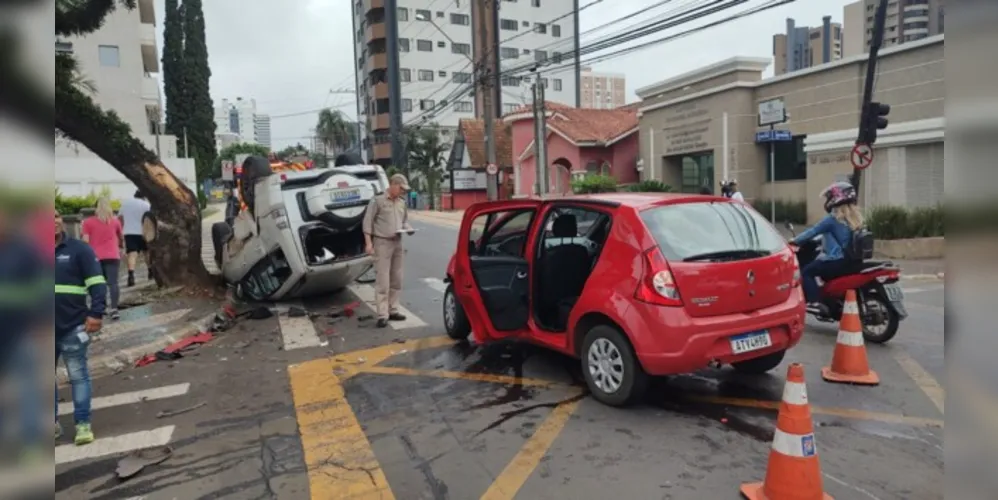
x: 280, y: 217
x: 657, y: 283
x: 284, y: 178
x: 795, y: 281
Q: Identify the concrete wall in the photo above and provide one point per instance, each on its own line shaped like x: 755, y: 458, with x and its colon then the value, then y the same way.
x: 81, y: 176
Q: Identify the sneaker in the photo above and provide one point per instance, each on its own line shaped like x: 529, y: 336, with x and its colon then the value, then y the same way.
x: 396, y: 317
x: 131, y: 279
x: 114, y: 314
x: 382, y: 322
x: 58, y: 430
x: 83, y: 434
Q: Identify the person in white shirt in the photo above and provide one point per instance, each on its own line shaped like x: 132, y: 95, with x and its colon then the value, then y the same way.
x: 735, y: 193
x: 132, y: 211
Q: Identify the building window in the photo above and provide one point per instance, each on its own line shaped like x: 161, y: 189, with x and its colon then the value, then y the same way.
x: 509, y: 108
x: 556, y: 56
x: 442, y: 44
x: 440, y: 14
x: 403, y: 14
x: 526, y: 24
x: 109, y: 56
x: 544, y: 82
x: 64, y: 47
x: 460, y: 19
x: 459, y: 77
x: 406, y: 105
x: 526, y: 51
x: 509, y: 25
x: 540, y: 55
x: 461, y: 48
x: 425, y: 75
x: 541, y: 28
x: 555, y: 30
x: 509, y: 53
x: 463, y: 107
x: 557, y: 84
x: 510, y: 81
x: 424, y: 45
x: 403, y: 45
x: 442, y: 74
x: 423, y: 15
x: 426, y: 104
x: 405, y: 75
x: 535, y: 3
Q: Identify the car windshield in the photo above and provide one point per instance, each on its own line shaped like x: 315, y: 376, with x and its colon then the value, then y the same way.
x: 709, y: 230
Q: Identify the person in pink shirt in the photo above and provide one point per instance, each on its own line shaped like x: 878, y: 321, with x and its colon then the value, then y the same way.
x: 104, y: 234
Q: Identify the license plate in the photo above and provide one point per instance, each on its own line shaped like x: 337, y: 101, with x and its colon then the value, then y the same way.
x: 344, y: 195
x: 894, y: 293
x: 748, y: 342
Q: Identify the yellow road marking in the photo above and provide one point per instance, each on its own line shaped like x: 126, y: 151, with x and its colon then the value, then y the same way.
x: 475, y: 377
x: 888, y: 418
x: 338, y: 456
x: 371, y: 357
x: 923, y: 379
x: 529, y: 457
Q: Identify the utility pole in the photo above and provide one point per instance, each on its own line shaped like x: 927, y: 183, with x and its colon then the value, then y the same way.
x: 486, y: 80
x: 867, y: 111
x: 187, y: 152
x: 399, y: 151
x: 540, y: 139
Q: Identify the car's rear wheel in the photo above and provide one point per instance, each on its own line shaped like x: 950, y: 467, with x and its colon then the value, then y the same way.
x: 455, y: 320
x: 610, y: 367
x: 760, y: 365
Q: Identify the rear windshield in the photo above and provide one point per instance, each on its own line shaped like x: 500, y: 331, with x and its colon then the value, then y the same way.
x: 692, y: 229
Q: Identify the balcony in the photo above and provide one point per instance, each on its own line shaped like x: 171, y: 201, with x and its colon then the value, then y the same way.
x: 380, y: 122
x: 381, y: 91
x: 150, y: 90
x: 378, y: 61
x: 147, y: 12
x: 382, y: 151
x: 150, y: 54
x: 375, y: 31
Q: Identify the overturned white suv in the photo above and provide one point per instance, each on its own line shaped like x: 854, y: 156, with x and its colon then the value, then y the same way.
x: 302, y: 232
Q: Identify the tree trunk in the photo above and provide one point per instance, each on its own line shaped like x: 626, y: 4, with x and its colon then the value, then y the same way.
x: 175, y: 249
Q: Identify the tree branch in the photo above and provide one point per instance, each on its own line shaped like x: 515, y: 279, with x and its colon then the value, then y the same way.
x: 81, y: 17
x: 21, y: 96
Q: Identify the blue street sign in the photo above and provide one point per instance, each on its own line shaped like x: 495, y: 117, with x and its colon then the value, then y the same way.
x: 773, y: 136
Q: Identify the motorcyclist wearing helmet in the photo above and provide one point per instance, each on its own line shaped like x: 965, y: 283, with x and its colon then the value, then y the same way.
x: 836, y: 229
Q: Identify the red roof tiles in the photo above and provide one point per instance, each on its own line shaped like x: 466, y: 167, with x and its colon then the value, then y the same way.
x: 474, y: 139
x: 582, y: 125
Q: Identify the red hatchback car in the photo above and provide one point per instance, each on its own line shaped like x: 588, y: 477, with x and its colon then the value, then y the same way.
x: 633, y: 284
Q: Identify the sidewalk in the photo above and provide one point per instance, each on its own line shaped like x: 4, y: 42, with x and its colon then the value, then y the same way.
x: 450, y: 218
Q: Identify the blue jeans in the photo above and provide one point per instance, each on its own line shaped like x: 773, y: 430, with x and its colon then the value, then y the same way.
x: 73, y: 350
x: 23, y: 365
x: 824, y: 269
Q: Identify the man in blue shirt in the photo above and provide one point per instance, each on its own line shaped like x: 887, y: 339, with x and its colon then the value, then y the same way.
x: 77, y: 275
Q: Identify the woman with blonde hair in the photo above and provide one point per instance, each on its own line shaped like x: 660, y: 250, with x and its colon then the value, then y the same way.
x: 104, y: 234
x: 836, y: 229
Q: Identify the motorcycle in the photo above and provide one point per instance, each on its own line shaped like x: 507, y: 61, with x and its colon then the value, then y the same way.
x: 878, y: 294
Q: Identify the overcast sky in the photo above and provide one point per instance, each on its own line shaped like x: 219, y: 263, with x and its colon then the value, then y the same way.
x: 288, y: 54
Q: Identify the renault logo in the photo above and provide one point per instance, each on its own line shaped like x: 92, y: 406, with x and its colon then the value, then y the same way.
x: 750, y: 277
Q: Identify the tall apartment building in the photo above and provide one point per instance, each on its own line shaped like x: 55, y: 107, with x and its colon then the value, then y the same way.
x: 239, y: 118
x: 802, y: 47
x: 435, y: 46
x: 907, y: 20
x: 602, y: 90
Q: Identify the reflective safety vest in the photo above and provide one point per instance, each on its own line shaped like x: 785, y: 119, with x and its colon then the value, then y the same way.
x: 78, y: 274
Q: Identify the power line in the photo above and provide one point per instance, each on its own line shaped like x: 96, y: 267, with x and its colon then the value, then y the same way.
x: 311, y: 111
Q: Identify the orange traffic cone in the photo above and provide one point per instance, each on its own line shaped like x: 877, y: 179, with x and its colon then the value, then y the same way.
x: 849, y: 362
x: 793, y: 472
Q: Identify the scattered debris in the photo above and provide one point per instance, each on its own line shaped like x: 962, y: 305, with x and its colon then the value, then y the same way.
x: 173, y: 351
x: 366, y: 317
x: 167, y: 413
x: 259, y: 312
x: 242, y: 344
x: 399, y: 341
x: 135, y: 462
x: 296, y: 312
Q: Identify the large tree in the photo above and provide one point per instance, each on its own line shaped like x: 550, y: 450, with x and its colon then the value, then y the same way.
x: 334, y: 131
x: 173, y: 73
x: 175, y: 235
x: 427, y: 156
x: 199, y: 109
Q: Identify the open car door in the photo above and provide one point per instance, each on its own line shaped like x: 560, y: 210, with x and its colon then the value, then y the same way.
x: 491, y: 273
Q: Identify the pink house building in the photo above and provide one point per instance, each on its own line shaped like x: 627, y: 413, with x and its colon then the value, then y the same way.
x: 579, y: 142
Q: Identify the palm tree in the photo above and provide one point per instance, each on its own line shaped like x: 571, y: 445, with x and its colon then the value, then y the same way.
x: 427, y: 156
x: 334, y: 131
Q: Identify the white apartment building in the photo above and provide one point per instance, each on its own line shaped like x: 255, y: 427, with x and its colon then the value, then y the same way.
x: 436, y: 42
x: 261, y: 129
x: 906, y: 21
x: 121, y: 59
x: 603, y: 90
x: 236, y: 117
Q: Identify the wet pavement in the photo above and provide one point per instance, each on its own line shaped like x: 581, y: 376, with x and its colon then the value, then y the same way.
x: 405, y: 413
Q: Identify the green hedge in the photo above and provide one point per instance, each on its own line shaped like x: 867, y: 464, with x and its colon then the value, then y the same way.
x: 69, y: 205
x: 594, y: 184
x: 650, y: 186
x: 894, y: 223
x: 786, y: 210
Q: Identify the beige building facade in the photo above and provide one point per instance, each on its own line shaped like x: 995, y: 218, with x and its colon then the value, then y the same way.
x: 701, y: 127
x: 602, y: 90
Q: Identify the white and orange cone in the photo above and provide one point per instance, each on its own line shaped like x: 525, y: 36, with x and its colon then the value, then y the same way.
x: 850, y: 364
x: 793, y: 472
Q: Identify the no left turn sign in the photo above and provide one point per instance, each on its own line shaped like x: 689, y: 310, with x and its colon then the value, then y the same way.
x: 861, y: 156
x: 492, y: 169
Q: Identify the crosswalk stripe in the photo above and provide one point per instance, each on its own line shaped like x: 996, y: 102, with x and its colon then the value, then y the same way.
x: 127, y: 398
x: 114, y: 445
x: 366, y: 294
x: 298, y: 332
x: 436, y: 284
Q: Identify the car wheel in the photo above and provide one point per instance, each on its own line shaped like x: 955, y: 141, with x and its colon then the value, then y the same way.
x: 455, y: 320
x: 760, y: 365
x: 610, y: 367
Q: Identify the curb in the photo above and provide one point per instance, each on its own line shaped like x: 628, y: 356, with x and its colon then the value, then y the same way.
x: 113, y: 362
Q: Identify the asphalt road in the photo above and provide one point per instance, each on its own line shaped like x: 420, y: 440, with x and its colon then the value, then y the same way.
x: 329, y: 407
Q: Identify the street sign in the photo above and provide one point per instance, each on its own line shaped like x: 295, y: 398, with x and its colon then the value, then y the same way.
x: 861, y: 156
x: 772, y: 112
x: 773, y: 136
x: 492, y: 169
x: 228, y: 167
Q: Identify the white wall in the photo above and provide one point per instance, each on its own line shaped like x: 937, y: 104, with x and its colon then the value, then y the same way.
x: 80, y: 176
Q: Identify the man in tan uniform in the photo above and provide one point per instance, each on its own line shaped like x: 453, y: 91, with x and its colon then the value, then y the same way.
x: 386, y: 219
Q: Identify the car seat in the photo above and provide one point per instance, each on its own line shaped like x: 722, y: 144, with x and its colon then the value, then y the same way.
x: 564, y: 271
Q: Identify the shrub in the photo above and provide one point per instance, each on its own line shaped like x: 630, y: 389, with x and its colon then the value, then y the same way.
x: 650, y: 186
x: 894, y: 223
x: 594, y: 184
x: 786, y: 210
x: 69, y: 205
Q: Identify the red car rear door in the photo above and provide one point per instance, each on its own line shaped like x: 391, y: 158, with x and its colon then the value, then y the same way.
x: 491, y: 273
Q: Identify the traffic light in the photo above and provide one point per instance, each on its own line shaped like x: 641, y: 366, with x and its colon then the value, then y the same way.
x: 876, y: 116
